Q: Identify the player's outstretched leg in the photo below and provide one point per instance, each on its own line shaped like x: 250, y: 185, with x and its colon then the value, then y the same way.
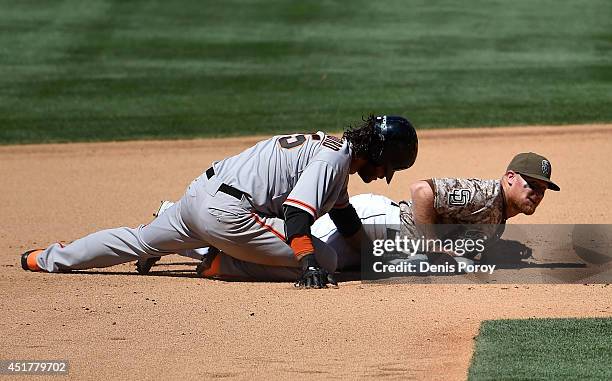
x: 164, y: 235
x: 101, y: 249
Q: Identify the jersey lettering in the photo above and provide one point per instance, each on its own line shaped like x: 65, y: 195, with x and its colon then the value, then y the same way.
x: 332, y: 143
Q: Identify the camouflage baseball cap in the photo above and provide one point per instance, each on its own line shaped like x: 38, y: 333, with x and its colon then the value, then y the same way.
x: 533, y: 165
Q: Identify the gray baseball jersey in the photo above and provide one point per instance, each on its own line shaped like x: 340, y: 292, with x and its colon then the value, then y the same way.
x: 237, y: 207
x: 307, y: 171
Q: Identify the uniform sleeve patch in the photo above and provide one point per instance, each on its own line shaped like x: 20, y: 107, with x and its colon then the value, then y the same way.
x: 459, y: 197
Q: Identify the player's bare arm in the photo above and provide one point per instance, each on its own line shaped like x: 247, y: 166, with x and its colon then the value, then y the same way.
x: 423, y: 203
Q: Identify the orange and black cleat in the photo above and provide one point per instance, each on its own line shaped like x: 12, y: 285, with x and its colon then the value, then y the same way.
x: 28, y: 260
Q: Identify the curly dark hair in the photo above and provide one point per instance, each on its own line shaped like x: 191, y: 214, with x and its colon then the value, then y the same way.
x: 363, y: 138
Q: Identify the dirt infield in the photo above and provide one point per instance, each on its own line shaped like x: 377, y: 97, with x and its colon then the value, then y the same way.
x: 113, y: 323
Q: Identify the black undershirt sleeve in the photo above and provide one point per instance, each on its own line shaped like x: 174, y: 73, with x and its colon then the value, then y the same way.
x: 297, y: 222
x: 346, y: 220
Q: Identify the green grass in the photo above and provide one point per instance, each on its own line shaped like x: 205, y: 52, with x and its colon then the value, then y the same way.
x: 543, y: 349
x: 117, y: 70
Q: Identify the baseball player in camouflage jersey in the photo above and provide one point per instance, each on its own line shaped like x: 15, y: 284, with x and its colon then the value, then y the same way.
x: 488, y: 203
x: 258, y: 206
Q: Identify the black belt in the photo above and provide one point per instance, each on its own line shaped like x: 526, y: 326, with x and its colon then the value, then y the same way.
x: 227, y: 189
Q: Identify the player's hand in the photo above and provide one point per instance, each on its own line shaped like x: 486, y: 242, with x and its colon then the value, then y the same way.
x: 313, y: 275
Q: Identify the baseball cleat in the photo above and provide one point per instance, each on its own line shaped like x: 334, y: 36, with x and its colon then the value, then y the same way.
x: 205, y: 268
x: 165, y: 204
x: 143, y: 266
x: 28, y: 260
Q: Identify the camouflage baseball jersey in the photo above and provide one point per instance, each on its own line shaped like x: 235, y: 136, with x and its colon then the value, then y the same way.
x: 461, y: 201
x: 469, y: 201
x: 307, y: 171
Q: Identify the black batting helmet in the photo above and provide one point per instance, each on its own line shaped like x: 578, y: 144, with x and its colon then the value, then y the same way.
x: 399, y: 143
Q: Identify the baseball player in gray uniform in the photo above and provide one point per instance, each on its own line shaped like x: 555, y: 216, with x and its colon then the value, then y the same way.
x: 258, y: 206
x: 488, y: 203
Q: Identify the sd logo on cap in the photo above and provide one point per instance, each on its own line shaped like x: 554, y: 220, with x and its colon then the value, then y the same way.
x: 535, y: 166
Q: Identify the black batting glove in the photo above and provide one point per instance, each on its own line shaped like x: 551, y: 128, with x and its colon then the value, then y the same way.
x: 313, y: 276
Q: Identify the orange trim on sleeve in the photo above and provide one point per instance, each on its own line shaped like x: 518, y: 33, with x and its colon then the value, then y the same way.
x: 302, y: 245
x: 311, y: 209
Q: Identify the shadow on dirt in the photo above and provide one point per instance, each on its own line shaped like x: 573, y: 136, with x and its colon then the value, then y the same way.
x: 505, y: 254
x: 177, y: 273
